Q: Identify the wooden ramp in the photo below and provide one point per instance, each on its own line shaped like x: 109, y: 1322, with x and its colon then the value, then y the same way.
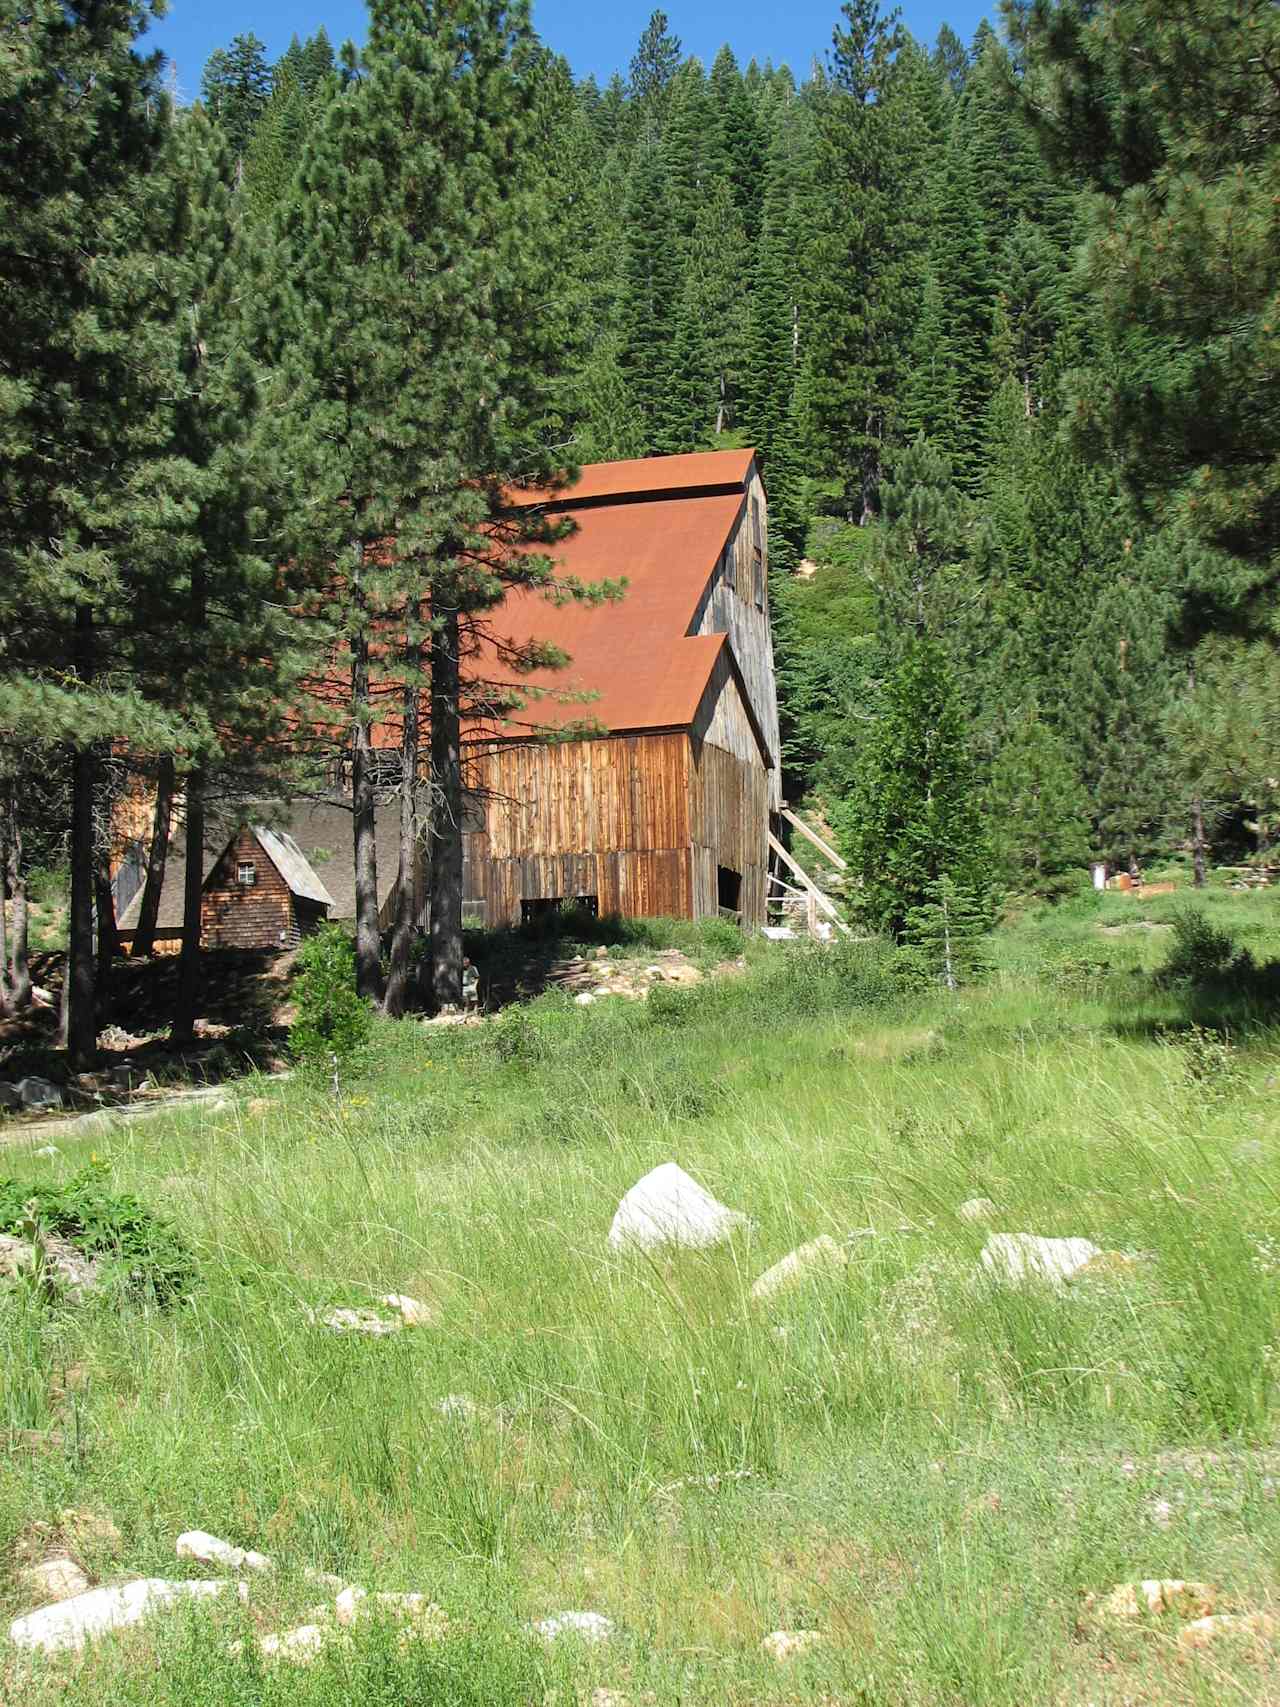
x: 804, y: 908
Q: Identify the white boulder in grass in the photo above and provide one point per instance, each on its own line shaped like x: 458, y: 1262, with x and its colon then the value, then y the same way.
x: 208, y: 1550
x: 72, y: 1623
x: 820, y: 1256
x: 1026, y: 1256
x: 586, y: 1626
x: 666, y: 1207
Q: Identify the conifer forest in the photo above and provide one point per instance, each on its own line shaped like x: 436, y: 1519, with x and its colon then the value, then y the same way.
x: 1001, y: 319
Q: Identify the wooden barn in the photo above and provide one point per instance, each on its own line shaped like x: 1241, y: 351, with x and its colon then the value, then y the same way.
x: 668, y: 812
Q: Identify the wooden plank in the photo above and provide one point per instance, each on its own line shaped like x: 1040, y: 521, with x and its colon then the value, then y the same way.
x: 826, y: 905
x: 815, y: 838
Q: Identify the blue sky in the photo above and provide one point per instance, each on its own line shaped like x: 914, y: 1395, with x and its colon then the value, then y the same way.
x: 597, y: 38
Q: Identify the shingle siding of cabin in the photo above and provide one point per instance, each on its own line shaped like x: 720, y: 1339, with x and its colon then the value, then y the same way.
x: 262, y: 915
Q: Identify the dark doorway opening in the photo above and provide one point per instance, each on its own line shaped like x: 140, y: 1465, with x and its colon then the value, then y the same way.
x: 728, y: 889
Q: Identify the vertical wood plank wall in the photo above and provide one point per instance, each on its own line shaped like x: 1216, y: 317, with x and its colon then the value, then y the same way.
x: 729, y: 800
x: 608, y: 818
x: 731, y: 606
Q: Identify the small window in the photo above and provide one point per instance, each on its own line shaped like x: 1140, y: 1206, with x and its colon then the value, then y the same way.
x: 757, y: 538
x: 246, y: 874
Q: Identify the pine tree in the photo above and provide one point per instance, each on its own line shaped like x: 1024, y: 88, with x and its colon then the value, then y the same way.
x: 915, y: 816
x: 236, y: 87
x: 651, y: 74
x: 870, y: 173
x: 84, y: 403
x: 709, y: 351
x: 737, y: 147
x: 650, y: 300
x: 1037, y: 807
x: 412, y: 330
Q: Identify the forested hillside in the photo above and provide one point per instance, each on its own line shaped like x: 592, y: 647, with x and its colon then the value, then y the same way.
x: 998, y: 317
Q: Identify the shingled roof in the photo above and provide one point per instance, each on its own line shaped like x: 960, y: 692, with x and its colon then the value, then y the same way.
x: 660, y: 523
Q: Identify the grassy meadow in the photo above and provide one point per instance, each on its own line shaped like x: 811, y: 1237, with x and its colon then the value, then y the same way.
x: 931, y: 1469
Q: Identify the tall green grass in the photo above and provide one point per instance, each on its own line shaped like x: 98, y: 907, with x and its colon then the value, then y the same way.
x: 931, y: 1468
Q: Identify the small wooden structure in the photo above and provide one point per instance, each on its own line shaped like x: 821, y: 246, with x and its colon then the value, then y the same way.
x: 260, y: 891
x: 667, y: 809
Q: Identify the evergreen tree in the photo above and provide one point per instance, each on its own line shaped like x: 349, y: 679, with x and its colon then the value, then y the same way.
x: 737, y: 147
x: 708, y: 353
x: 236, y: 88
x: 915, y: 816
x: 1037, y: 807
x: 651, y: 74
x: 84, y: 401
x: 413, y: 337
x: 651, y: 291
x: 870, y: 173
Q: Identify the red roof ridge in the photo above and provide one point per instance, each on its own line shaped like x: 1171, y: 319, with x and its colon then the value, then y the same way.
x: 645, y: 478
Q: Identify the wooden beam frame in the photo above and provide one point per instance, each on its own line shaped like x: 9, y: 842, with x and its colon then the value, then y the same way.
x: 829, y: 853
x: 821, y: 901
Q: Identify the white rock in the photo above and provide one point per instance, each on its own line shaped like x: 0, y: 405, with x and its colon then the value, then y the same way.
x: 667, y: 1207
x: 300, y: 1645
x: 54, y: 1579
x: 459, y: 1407
x: 783, y: 1645
x: 588, y: 1626
x: 1026, y: 1256
x: 48, y: 1152
x: 412, y: 1311
x: 325, y: 1579
x: 1204, y: 1632
x: 346, y: 1608
x: 356, y: 1322
x: 977, y: 1209
x: 820, y: 1254
x: 74, y: 1622
x: 584, y: 998
x: 654, y: 972
x: 208, y: 1550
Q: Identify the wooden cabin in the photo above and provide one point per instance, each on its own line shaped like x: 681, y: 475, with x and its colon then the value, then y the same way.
x: 668, y: 810
x: 259, y: 891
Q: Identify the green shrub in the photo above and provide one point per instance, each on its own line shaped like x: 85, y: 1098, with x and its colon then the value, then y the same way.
x: 1199, y: 952
x: 722, y: 936
x: 149, y: 1254
x: 334, y: 1026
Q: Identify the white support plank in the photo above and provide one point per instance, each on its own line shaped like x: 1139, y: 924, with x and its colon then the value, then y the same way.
x: 824, y: 903
x: 828, y: 853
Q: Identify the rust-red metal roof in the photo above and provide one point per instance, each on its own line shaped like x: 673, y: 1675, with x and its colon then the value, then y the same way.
x: 660, y: 523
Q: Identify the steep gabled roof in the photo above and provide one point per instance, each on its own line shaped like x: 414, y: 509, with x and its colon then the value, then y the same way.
x: 661, y: 524
x: 290, y: 861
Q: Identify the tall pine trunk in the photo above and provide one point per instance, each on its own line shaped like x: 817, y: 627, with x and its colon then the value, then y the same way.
x: 446, y: 811
x: 184, y: 1007
x: 81, y: 1033
x: 106, y: 933
x: 15, y: 961
x: 6, y: 996
x: 407, y: 885
x: 1197, y: 812
x: 144, y: 938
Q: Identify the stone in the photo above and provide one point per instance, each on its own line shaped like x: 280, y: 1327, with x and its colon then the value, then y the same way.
x: 325, y: 1579
x: 17, y: 1257
x: 1204, y: 1632
x: 72, y: 1623
x: 258, y: 1105
x: 53, y: 1579
x: 784, y: 1645
x: 346, y: 1608
x: 820, y: 1256
x: 412, y: 1311
x: 10, y: 1098
x: 459, y: 1407
x: 1026, y: 1256
x: 602, y: 1697
x: 587, y: 1626
x: 654, y: 972
x: 48, y: 1152
x: 355, y: 1322
x: 584, y: 999
x: 37, y: 1093
x: 668, y: 1207
x: 1155, y: 1595
x: 977, y: 1209
x: 89, y: 1529
x: 206, y: 1549
x: 300, y: 1645
x: 427, y: 1619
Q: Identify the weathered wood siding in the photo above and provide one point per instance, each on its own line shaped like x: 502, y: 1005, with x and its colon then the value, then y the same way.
x: 729, y: 800
x: 736, y: 603
x: 261, y: 915
x: 608, y: 818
